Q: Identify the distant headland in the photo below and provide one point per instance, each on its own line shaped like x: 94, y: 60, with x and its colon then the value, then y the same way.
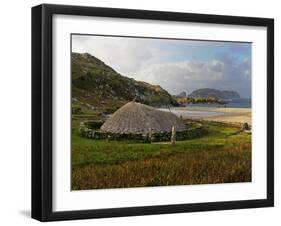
x: 214, y: 93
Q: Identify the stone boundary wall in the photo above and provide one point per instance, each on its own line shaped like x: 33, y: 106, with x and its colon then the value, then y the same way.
x: 89, y: 129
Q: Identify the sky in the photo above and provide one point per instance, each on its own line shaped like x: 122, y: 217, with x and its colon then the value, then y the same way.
x: 175, y: 65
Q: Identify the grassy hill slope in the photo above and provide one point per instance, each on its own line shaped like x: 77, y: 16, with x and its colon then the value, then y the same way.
x: 96, y: 84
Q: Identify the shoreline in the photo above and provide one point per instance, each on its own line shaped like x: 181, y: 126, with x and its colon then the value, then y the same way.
x: 227, y: 115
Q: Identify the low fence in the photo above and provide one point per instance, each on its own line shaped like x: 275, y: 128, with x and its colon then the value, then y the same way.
x: 90, y: 129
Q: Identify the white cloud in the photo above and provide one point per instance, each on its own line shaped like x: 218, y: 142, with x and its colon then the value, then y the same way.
x: 124, y: 55
x: 186, y: 75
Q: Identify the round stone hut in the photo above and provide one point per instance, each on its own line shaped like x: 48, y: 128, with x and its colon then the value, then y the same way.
x: 137, y: 118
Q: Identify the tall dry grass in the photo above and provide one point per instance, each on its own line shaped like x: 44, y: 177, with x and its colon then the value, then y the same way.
x: 228, y: 164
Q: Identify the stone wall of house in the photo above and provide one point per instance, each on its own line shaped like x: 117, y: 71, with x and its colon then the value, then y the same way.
x: 87, y: 130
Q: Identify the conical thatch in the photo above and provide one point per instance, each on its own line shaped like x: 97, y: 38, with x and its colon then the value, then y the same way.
x: 139, y: 118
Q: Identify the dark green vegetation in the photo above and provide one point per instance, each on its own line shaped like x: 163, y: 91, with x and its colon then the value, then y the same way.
x: 96, y: 85
x: 221, y: 156
x: 225, y: 94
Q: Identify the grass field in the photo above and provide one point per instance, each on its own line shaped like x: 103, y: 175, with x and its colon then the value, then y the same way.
x: 221, y: 156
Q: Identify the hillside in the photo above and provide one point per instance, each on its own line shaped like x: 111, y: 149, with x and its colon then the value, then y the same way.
x: 214, y: 93
x: 96, y: 83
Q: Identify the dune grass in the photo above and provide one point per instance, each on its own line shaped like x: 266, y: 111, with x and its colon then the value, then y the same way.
x: 222, y: 156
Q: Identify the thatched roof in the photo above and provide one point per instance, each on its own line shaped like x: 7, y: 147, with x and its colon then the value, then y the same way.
x: 139, y: 118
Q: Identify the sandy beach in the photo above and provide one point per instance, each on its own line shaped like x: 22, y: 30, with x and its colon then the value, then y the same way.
x: 229, y: 115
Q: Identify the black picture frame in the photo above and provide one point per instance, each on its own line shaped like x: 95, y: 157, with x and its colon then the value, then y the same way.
x: 42, y: 111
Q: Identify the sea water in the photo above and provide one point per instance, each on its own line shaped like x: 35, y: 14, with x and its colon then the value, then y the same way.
x: 230, y: 103
x: 187, y: 113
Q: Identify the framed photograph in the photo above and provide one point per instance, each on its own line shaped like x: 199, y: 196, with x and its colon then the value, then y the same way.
x: 145, y: 112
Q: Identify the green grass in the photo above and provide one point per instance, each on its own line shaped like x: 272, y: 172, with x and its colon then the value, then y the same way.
x: 222, y: 156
